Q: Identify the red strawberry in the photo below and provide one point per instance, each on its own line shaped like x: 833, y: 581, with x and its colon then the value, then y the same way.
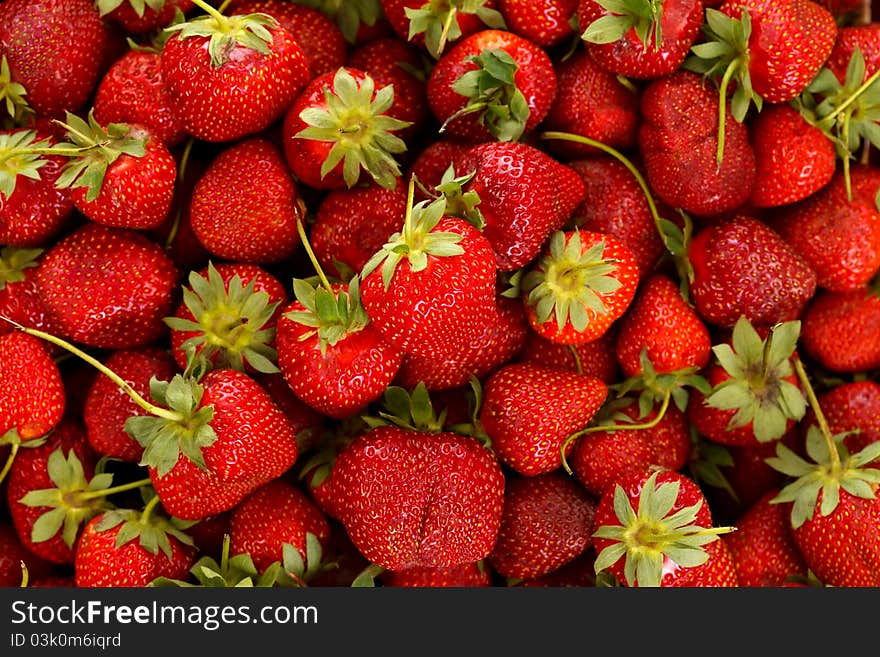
x: 849, y: 38
x: 142, y: 16
x: 131, y: 91
x: 640, y: 39
x: 473, y: 574
x: 582, y: 283
x: 546, y: 22
x: 55, y: 49
x: 762, y: 546
x: 841, y: 330
x: 850, y: 406
x: 492, y: 85
x: 578, y: 572
x: 307, y: 423
x: 227, y: 318
x: 546, y: 524
x: 793, y: 158
x: 687, y: 164
x: 842, y: 8
x: 433, y: 161
x: 431, y: 288
x: 524, y: 196
x: 230, y: 77
x: 274, y: 514
x: 595, y: 358
x: 654, y: 528
x: 360, y: 21
x: 128, y: 548
x: 529, y: 411
x: 19, y: 298
x: 339, y: 131
x: 741, y: 266
x: 33, y: 208
x: 245, y: 206
x: 661, y: 324
x: 107, y: 406
x: 13, y: 554
x: 409, y: 498
x: 108, y: 287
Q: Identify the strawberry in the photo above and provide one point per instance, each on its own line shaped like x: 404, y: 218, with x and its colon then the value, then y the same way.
x: 359, y: 20
x: 654, y: 528
x: 107, y: 406
x: 755, y: 395
x: 339, y: 131
x: 231, y: 76
x: 545, y: 525
x: 33, y: 208
x: 595, y: 358
x: 581, y: 284
x: 431, y: 288
x: 227, y: 318
x: 689, y: 163
x: 473, y: 574
x: 833, y: 495
x: 842, y: 8
x: 429, y: 164
x: 841, y: 329
x: 852, y: 37
x: 307, y: 423
x: 762, y: 546
x: 55, y: 49
x: 410, y: 498
x: 741, y: 266
x: 547, y: 23
x: 524, y: 195
x: 793, y: 157
x: 107, y: 287
x: 320, y: 39
x: 578, y: 572
x: 19, y: 298
x: 641, y: 39
x: 137, y: 17
x: 492, y: 85
x: 245, y: 206
x: 528, y: 412
x: 127, y: 548
x: 13, y: 554
x: 131, y: 91
x: 851, y: 406
x: 838, y: 236
x: 591, y: 101
x: 274, y: 514
x: 434, y: 25
x: 661, y: 324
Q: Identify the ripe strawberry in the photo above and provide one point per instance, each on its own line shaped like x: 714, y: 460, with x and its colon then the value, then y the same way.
x: 641, y: 40
x: 841, y: 8
x: 231, y: 76
x: 689, y: 164
x: 661, y: 324
x: 431, y: 288
x: 13, y: 554
x: 578, y: 572
x: 834, y: 496
x: 524, y: 196
x: 409, y: 498
x: 429, y: 164
x: 595, y: 358
x: 528, y: 412
x: 473, y: 574
x: 741, y: 266
x: 547, y: 22
x: 55, y: 49
x: 245, y: 206
x: 338, y: 131
x: 227, y: 318
x: 360, y: 21
x: 756, y: 395
x: 307, y: 423
x: 131, y: 91
x: 841, y: 329
x: 33, y: 208
x: 654, y: 528
x: 108, y: 287
x: 19, y: 299
x: 274, y: 514
x: 492, y: 85
x: 320, y: 39
x: 582, y: 283
x: 837, y: 230
x: 107, y: 406
x: 850, y: 406
x: 849, y: 38
x: 137, y: 17
x: 128, y: 548
x: 546, y: 524
x: 762, y: 546
x: 591, y: 101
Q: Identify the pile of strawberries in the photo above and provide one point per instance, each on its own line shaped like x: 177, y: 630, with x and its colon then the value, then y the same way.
x: 439, y: 293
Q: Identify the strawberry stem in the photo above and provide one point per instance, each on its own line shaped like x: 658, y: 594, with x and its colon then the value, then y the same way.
x: 447, y: 24
x: 211, y: 11
x: 732, y: 68
x: 25, y: 575
x: 308, y: 247
x: 121, y: 488
x: 148, y: 509
x: 181, y: 172
x: 826, y: 121
x: 9, y: 459
x: 822, y: 421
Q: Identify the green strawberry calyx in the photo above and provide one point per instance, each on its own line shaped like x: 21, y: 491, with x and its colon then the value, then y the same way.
x: 568, y: 283
x: 438, y: 21
x: 354, y: 119
x: 20, y: 156
x: 349, y: 15
x: 12, y: 95
x: 13, y: 263
x: 416, y: 241
x: 413, y: 410
x: 225, y: 33
x: 757, y: 387
x: 461, y: 203
x: 232, y: 322
x: 642, y: 16
x: 647, y: 536
x: 139, y: 6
